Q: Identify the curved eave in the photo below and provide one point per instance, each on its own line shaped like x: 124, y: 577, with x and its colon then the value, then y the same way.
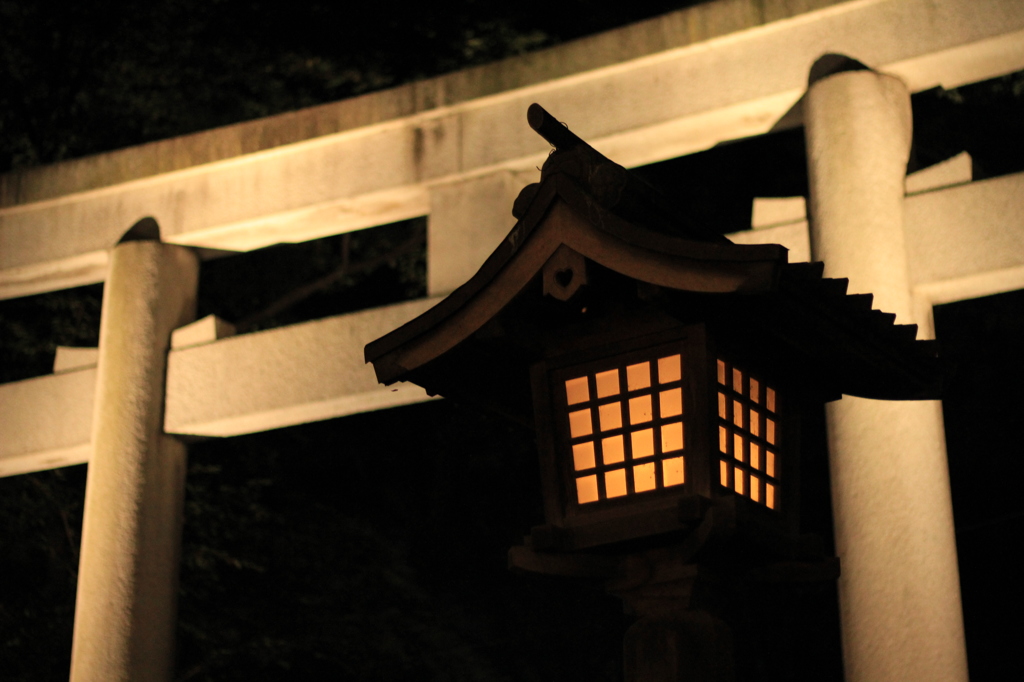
x: 561, y: 213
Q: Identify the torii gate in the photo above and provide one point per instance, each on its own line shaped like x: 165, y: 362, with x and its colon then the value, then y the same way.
x: 454, y: 148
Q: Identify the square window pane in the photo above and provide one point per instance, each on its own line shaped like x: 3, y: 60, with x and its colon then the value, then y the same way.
x: 723, y: 440
x: 737, y: 446
x: 770, y: 399
x: 755, y: 455
x: 670, y: 369
x: 580, y: 424
x: 737, y: 413
x: 672, y: 437
x: 721, y: 372
x: 577, y: 391
x: 673, y: 471
x: 723, y: 471
x: 640, y: 409
x: 607, y: 383
x: 583, y: 456
x: 671, y: 403
x: 737, y: 380
x: 770, y: 427
x: 638, y: 376
x: 755, y: 488
x: 615, y: 483
x: 769, y: 495
x: 755, y: 390
x: 643, y: 443
x: 738, y: 480
x: 586, y: 489
x: 612, y: 450
x: 770, y: 463
x: 611, y: 416
x: 755, y: 423
x: 722, y: 406
x: 643, y: 477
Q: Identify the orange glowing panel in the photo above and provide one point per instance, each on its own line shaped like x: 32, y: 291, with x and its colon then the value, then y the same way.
x: 670, y: 369
x: 737, y: 446
x: 738, y: 480
x: 722, y: 403
x: 580, y: 424
x: 723, y: 470
x: 643, y: 443
x: 586, y: 489
x: 640, y: 409
x: 755, y: 390
x: 670, y: 403
x: 583, y: 456
x: 723, y: 439
x: 737, y: 380
x: 769, y: 496
x: 638, y: 376
x: 607, y: 383
x: 770, y: 426
x: 577, y: 391
x: 755, y: 455
x: 770, y: 464
x: 615, y: 483
x: 755, y: 423
x: 673, y: 471
x: 611, y: 416
x: 737, y: 413
x: 721, y: 372
x: 612, y: 450
x: 672, y: 437
x: 755, y: 488
x: 770, y: 399
x: 643, y: 477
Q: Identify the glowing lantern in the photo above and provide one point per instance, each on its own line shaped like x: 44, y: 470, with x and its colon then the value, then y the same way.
x: 663, y: 368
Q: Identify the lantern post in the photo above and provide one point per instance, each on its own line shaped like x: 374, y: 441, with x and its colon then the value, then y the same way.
x: 665, y: 372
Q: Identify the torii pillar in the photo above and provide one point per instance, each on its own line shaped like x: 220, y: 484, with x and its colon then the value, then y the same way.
x: 131, y: 536
x: 899, y: 593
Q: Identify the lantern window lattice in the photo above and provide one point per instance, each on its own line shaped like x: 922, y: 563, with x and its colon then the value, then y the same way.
x: 748, y: 436
x: 626, y: 428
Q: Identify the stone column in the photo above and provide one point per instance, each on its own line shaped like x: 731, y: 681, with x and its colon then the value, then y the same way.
x: 899, y: 592
x: 131, y: 537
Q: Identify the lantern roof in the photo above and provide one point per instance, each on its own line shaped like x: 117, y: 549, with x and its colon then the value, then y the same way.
x: 597, y: 248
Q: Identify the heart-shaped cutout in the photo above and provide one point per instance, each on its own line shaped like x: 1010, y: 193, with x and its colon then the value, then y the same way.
x: 564, y: 277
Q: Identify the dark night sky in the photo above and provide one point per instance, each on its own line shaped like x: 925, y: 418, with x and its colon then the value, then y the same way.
x: 373, y: 547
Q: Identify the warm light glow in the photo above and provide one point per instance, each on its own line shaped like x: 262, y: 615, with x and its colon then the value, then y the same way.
x: 638, y: 376
x: 579, y: 424
x: 642, y: 426
x: 640, y: 410
x: 615, y: 483
x: 586, y: 489
x: 673, y: 471
x: 607, y: 383
x: 672, y: 437
x: 643, y: 477
x: 577, y: 391
x: 583, y: 456
x: 670, y: 369
x: 643, y: 443
x: 737, y: 396
x: 670, y: 403
x: 611, y: 416
x: 612, y: 450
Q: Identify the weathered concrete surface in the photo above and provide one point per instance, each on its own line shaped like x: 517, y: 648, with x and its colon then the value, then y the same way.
x: 712, y: 86
x: 899, y: 592
x: 125, y: 610
x: 281, y: 377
